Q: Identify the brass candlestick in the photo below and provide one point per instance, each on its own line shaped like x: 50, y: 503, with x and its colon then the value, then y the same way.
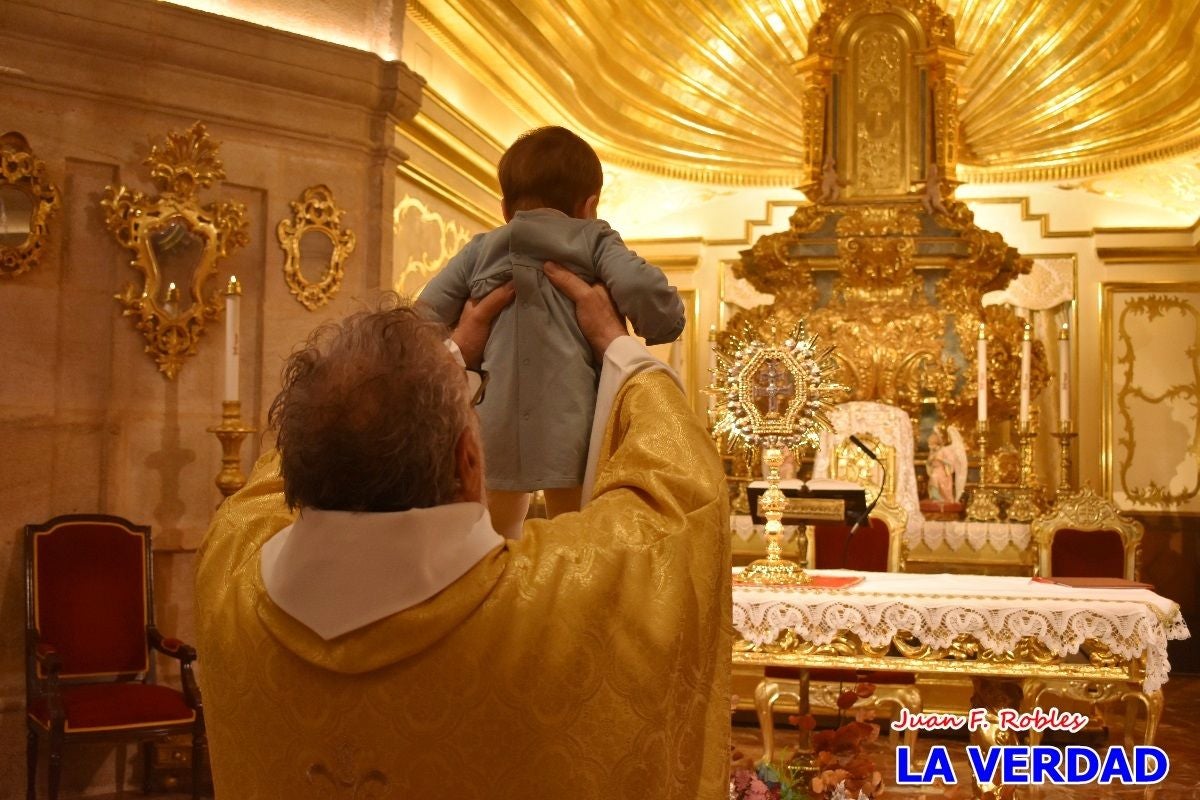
x: 1066, y: 439
x: 1024, y: 506
x: 231, y: 432
x: 983, y: 506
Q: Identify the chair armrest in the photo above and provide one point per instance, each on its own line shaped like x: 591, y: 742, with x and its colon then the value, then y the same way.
x: 46, y: 657
x: 174, y: 648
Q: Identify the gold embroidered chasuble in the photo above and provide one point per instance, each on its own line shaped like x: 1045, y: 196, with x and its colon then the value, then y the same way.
x: 589, y: 659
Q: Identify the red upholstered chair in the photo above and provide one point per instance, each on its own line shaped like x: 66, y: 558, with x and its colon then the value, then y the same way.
x: 1084, y: 536
x: 876, y: 547
x: 89, y: 633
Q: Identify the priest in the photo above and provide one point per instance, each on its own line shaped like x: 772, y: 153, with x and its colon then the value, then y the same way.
x: 363, y: 632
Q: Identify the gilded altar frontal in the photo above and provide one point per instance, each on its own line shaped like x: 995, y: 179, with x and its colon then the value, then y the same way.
x: 937, y: 269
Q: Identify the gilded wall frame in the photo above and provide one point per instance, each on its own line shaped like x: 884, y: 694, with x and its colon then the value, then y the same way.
x: 172, y: 318
x: 316, y: 212
x: 1123, y: 306
x: 23, y: 174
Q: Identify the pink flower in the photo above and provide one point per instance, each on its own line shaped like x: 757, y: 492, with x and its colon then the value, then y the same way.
x: 758, y: 790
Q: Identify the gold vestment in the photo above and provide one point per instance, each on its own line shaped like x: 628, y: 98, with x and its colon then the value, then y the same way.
x: 589, y: 659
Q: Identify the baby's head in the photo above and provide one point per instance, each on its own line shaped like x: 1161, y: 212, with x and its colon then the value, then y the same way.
x: 551, y: 168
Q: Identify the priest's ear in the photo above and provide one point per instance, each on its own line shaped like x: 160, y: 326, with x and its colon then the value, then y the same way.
x: 468, y: 466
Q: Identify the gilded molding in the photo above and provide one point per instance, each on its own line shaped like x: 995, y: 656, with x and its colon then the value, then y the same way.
x: 151, y: 226
x: 22, y: 172
x: 448, y: 235
x: 316, y: 212
x: 1151, y: 306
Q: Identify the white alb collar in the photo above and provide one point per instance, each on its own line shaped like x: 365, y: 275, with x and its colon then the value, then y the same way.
x: 336, y: 571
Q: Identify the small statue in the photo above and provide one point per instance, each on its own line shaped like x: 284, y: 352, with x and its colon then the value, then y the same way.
x: 831, y: 187
x: 946, y: 465
x: 931, y: 197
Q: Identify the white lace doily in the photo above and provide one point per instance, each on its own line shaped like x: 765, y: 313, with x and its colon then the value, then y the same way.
x: 975, y: 535
x: 996, y: 611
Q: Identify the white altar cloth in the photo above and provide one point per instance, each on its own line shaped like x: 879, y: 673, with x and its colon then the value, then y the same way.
x: 997, y: 611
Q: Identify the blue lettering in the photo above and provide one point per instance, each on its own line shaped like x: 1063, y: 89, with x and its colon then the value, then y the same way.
x: 1016, y: 765
x: 1116, y: 767
x: 1162, y: 764
x: 983, y: 764
x: 936, y: 766
x: 1083, y: 764
x: 1046, y: 765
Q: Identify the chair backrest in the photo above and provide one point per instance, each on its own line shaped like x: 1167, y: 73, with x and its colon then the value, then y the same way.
x: 88, y: 593
x: 888, y: 431
x: 1084, y: 536
x: 878, y: 546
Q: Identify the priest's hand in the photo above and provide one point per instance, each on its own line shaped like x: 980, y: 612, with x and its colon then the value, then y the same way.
x: 475, y: 322
x: 598, y: 318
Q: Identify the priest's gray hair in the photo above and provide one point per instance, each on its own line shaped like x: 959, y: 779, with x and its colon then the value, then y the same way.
x: 370, y: 412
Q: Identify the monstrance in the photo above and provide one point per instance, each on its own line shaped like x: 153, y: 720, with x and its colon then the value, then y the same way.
x: 777, y: 391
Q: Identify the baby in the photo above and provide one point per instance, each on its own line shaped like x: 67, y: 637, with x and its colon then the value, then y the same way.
x: 536, y: 414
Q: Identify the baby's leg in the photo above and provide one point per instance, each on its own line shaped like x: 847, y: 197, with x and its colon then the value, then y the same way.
x: 560, y: 501
x: 508, y: 510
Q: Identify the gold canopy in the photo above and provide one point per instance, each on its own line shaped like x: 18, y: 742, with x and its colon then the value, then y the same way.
x: 707, y: 89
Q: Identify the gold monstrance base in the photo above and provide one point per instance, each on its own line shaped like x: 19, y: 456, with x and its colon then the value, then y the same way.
x: 773, y: 570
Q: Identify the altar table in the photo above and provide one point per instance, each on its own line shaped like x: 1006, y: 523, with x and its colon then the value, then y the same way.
x: 1011, y: 635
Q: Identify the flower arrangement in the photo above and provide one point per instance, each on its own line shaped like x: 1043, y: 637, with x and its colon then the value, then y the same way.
x: 845, y: 770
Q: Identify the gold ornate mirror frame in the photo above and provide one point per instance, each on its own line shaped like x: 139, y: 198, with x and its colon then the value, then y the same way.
x: 21, y: 172
x: 151, y: 226
x: 315, y: 212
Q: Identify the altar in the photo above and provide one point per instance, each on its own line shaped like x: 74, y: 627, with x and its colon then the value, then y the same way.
x: 1011, y: 635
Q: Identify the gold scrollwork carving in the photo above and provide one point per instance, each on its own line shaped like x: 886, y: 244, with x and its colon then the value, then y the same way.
x: 1152, y: 306
x: 27, y: 202
x: 317, y: 214
x: 448, y: 238
x: 177, y: 244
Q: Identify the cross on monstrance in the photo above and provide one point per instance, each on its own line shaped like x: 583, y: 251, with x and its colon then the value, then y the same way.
x: 777, y: 386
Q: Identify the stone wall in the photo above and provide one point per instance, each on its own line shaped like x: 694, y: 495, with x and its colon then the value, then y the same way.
x: 87, y: 422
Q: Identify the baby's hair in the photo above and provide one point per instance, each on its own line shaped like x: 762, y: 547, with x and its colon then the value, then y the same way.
x: 549, y: 168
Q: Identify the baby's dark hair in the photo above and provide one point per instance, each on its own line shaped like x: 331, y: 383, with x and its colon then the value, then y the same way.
x: 549, y: 168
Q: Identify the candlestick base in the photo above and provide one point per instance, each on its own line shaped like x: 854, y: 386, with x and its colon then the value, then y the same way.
x: 1026, y: 498
x: 230, y: 433
x: 984, y: 505
x: 1024, y: 506
x: 1066, y: 440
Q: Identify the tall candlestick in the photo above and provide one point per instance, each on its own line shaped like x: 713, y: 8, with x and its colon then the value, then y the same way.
x: 981, y: 374
x: 1026, y: 353
x: 1064, y: 376
x: 233, y: 299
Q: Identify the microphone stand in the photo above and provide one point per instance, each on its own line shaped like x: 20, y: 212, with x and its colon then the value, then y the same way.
x: 871, y: 507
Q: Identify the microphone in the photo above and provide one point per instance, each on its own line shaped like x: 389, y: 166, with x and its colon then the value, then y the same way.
x: 858, y: 443
x: 871, y: 507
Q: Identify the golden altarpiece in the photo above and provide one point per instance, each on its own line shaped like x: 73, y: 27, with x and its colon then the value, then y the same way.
x: 883, y: 261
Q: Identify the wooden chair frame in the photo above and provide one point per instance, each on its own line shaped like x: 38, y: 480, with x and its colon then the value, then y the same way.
x: 43, y: 680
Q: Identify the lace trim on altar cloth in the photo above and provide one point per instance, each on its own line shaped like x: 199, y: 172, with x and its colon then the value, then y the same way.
x: 1131, y: 629
x: 975, y: 535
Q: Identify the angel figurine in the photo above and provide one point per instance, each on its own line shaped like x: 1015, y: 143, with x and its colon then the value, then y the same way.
x: 947, y: 464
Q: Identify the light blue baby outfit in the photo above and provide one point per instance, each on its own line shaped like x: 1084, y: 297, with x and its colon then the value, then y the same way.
x: 537, y: 414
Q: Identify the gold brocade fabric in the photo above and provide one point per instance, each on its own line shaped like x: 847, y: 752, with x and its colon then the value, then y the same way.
x: 590, y: 659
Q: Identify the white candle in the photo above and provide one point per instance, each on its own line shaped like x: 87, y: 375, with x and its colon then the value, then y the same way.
x: 1064, y: 375
x: 1026, y: 353
x: 233, y: 299
x: 981, y: 374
